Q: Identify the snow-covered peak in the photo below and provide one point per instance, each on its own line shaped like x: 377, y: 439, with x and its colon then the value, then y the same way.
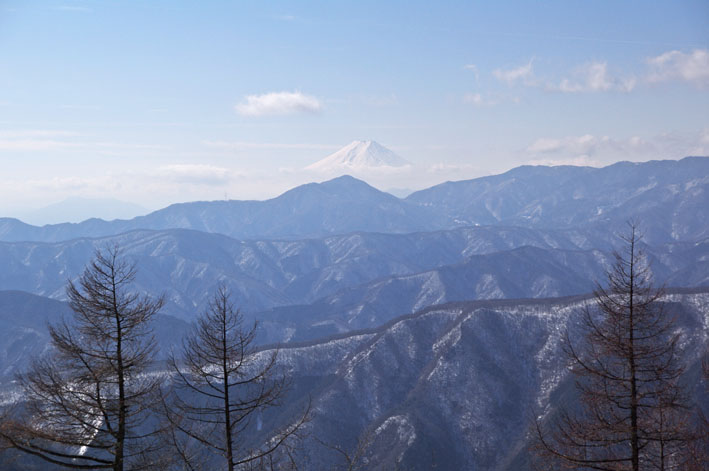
x: 359, y: 155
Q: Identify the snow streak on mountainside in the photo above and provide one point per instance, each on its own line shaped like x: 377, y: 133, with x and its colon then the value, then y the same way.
x: 359, y: 155
x: 455, y: 386
x: 349, y: 281
x: 450, y: 387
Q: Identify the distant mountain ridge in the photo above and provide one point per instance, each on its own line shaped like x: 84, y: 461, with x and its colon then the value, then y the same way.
x: 76, y: 209
x: 670, y: 195
x: 392, y: 316
x: 344, y: 204
x: 321, y: 286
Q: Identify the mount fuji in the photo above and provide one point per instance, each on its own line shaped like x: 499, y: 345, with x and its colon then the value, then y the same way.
x: 359, y: 155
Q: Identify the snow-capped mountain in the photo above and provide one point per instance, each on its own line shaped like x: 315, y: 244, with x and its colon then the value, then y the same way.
x: 359, y: 155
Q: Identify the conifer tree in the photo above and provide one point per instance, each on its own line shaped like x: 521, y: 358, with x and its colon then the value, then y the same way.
x: 86, y: 404
x: 634, y: 413
x: 221, y: 387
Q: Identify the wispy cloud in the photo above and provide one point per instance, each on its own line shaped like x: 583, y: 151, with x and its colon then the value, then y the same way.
x: 690, y: 67
x: 278, y: 103
x: 585, y: 145
x: 581, y: 161
x: 34, y: 144
x: 487, y: 100
x: 380, y: 100
x: 36, y: 133
x: 197, y: 174
x: 594, y: 77
x: 589, y: 149
x: 243, y: 145
x: 451, y: 168
x: 523, y: 74
x: 70, y: 8
x: 34, y: 140
x: 474, y: 69
x: 589, y: 77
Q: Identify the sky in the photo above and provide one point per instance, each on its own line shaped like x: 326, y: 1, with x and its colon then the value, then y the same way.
x: 157, y: 102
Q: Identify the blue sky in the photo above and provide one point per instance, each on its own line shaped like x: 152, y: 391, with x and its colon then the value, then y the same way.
x: 156, y: 102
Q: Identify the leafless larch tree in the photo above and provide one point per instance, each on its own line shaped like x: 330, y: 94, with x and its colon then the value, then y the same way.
x: 634, y: 413
x: 86, y: 404
x: 221, y: 388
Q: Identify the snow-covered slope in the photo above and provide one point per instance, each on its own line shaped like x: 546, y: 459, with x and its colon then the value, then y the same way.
x: 450, y: 387
x: 360, y: 279
x: 359, y: 155
x: 454, y: 386
x: 524, y: 272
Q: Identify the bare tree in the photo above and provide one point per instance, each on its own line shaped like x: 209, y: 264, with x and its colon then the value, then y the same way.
x: 221, y: 388
x: 86, y: 406
x: 354, y: 459
x: 634, y: 413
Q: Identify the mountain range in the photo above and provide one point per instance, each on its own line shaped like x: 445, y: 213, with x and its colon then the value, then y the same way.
x: 426, y: 329
x: 670, y: 196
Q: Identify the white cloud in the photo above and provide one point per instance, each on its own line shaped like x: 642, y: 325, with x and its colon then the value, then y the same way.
x: 580, y: 161
x: 278, y: 103
x: 35, y: 140
x: 479, y: 100
x: 475, y: 99
x: 34, y: 144
x: 474, y: 69
x: 594, y: 77
x: 523, y: 74
x: 242, y: 145
x: 544, y: 145
x: 692, y: 67
x: 590, y: 77
x: 197, y: 174
x: 35, y: 133
x: 380, y: 100
x: 676, y: 65
x: 451, y: 168
x: 70, y: 8
x: 587, y: 145
x: 591, y: 150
